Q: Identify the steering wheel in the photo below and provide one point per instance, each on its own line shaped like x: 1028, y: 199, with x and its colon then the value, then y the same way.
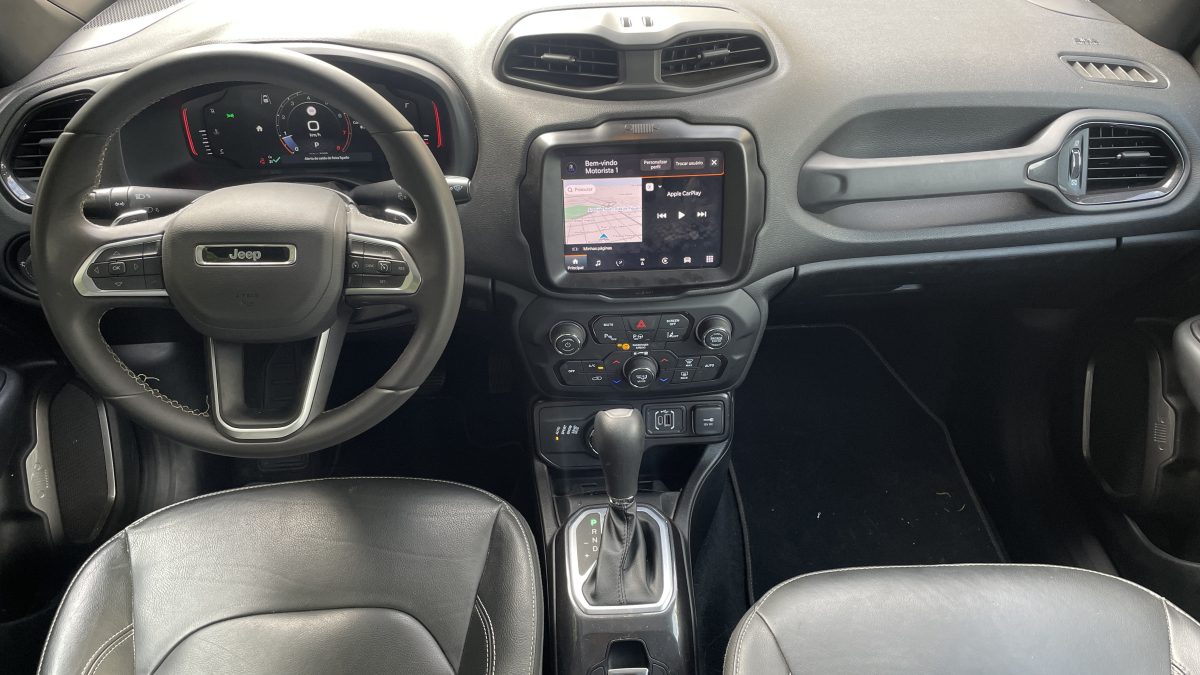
x: 262, y: 263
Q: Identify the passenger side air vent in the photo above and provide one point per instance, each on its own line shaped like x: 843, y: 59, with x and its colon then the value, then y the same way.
x: 1124, y: 158
x: 26, y: 153
x: 703, y: 59
x: 572, y: 62
x: 1114, y: 72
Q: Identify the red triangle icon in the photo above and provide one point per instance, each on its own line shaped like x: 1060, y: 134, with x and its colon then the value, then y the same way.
x: 641, y: 325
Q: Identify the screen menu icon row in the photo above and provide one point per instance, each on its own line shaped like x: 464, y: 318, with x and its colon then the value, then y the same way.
x: 580, y: 262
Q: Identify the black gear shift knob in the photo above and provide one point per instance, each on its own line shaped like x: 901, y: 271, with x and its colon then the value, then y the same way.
x: 619, y: 436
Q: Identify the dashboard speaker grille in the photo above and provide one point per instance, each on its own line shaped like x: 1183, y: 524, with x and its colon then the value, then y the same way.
x: 1121, y: 157
x: 567, y: 61
x: 26, y: 156
x: 127, y: 10
x: 712, y: 57
x: 81, y: 465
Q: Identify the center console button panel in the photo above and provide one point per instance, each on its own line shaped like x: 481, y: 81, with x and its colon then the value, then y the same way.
x: 562, y: 428
x: 585, y: 349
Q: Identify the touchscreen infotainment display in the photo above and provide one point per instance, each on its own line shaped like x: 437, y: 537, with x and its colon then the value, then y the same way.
x: 627, y: 212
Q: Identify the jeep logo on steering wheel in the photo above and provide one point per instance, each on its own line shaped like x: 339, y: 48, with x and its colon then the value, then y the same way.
x: 245, y: 254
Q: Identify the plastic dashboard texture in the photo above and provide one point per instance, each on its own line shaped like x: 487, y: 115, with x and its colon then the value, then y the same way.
x: 989, y: 70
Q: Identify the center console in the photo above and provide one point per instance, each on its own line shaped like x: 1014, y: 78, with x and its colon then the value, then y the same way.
x: 640, y: 231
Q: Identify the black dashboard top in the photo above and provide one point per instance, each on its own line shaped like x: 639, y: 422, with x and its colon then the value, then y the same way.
x: 850, y: 78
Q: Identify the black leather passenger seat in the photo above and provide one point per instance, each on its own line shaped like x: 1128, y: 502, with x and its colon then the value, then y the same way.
x: 330, y: 576
x: 955, y: 619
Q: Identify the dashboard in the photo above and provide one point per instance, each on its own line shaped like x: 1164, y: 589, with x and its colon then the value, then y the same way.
x: 261, y: 126
x: 582, y: 130
x: 226, y: 134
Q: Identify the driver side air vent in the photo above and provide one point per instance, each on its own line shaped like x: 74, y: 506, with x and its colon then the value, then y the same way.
x: 1121, y: 158
x: 703, y: 59
x: 27, y: 151
x: 566, y: 61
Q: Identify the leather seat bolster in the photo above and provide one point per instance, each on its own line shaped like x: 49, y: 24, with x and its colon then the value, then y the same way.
x: 985, y: 619
x: 509, y: 582
x: 336, y: 575
x: 97, y: 612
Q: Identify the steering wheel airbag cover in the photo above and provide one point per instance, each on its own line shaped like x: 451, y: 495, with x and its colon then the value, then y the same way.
x: 63, y: 239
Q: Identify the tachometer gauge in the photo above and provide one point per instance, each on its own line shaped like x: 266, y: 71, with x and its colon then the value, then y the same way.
x: 309, y: 127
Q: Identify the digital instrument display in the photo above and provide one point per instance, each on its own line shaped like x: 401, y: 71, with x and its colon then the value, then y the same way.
x: 641, y: 212
x: 265, y: 126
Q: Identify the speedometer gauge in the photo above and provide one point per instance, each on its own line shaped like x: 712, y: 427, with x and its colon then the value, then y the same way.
x: 308, y: 127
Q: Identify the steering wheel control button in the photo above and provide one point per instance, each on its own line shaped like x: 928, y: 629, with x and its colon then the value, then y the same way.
x: 708, y: 419
x: 640, y: 371
x: 378, y: 266
x: 121, y: 283
x: 121, y: 252
x: 124, y: 267
x: 714, y: 332
x: 609, y: 330
x: 567, y: 337
x: 665, y: 420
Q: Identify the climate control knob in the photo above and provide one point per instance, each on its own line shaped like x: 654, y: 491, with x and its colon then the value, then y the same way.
x: 640, y: 371
x: 714, y: 332
x: 567, y: 337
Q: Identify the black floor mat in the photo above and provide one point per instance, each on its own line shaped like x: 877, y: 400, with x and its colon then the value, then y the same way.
x: 840, y: 466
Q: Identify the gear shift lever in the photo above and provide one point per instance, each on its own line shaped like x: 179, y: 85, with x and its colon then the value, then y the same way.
x: 619, y: 437
x: 625, y: 571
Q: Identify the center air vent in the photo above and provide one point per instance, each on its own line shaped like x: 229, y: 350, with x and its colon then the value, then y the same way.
x: 703, y: 59
x: 25, y: 156
x: 1124, y: 158
x: 568, y: 61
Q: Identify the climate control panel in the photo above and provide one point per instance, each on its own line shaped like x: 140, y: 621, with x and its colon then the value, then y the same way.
x: 688, y: 345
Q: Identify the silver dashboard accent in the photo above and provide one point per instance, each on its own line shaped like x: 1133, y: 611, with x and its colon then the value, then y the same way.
x: 400, y: 216
x: 87, y: 287
x: 136, y: 216
x: 409, y: 284
x: 39, y: 471
x: 244, y: 254
x: 272, y: 433
x: 666, y: 561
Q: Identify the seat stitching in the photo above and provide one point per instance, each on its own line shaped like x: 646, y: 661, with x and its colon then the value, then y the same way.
x: 778, y: 645
x: 67, y: 594
x: 485, y: 619
x: 275, y: 612
x: 103, y: 645
x: 111, y: 649
x: 1170, y: 633
x: 313, y: 480
x: 995, y: 565
x: 737, y: 658
x: 504, y: 505
x: 533, y: 565
x: 629, y: 534
x: 738, y: 645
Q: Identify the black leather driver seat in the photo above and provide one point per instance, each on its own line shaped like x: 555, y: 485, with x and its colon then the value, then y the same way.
x: 365, y: 575
x: 978, y: 619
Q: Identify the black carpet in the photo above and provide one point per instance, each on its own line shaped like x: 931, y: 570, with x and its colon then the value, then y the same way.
x: 840, y: 466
